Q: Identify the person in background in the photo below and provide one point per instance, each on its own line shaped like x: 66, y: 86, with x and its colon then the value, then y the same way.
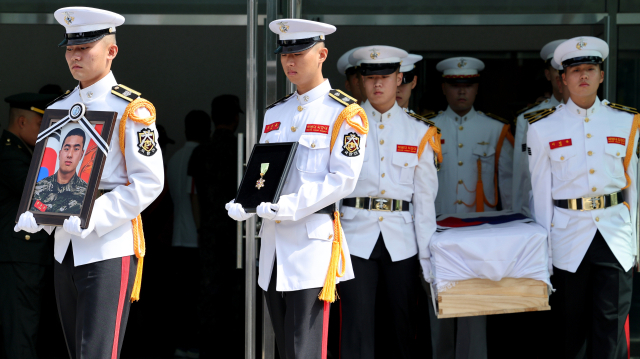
x: 350, y: 71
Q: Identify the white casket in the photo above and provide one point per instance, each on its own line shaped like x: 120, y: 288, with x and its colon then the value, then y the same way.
x: 489, y: 263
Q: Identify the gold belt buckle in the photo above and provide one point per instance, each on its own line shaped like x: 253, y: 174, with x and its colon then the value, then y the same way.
x: 381, y: 204
x: 591, y: 203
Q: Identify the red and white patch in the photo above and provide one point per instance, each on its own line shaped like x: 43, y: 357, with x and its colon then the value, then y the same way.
x: 617, y: 140
x: 561, y: 143
x: 317, y: 128
x: 41, y: 206
x: 272, y: 127
x: 407, y: 149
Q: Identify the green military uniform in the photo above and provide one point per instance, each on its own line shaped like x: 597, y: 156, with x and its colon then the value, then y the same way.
x: 59, y: 198
x: 23, y: 256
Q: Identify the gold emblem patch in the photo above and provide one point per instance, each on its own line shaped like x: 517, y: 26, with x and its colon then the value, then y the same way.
x: 351, y: 145
x: 580, y: 44
x: 283, y: 26
x: 374, y: 54
x: 147, y: 145
x: 462, y: 63
x: 68, y: 18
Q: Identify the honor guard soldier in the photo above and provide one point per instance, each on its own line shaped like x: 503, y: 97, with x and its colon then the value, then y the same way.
x: 300, y: 253
x: 521, y: 179
x: 95, y: 268
x: 384, y: 238
x: 472, y: 143
x: 24, y: 256
x: 409, y: 81
x: 583, y: 166
x: 349, y: 71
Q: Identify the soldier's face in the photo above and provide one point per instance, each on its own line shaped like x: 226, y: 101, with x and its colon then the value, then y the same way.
x: 353, y: 86
x: 302, y: 67
x: 30, y: 127
x: 583, y: 80
x: 381, y: 89
x: 70, y: 154
x: 460, y: 97
x: 404, y: 92
x: 90, y: 62
x: 552, y: 75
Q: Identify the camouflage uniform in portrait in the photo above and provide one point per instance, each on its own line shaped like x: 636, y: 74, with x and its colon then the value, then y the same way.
x: 51, y: 196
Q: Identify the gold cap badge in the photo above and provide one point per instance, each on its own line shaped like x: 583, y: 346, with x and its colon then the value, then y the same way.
x: 374, y: 54
x: 283, y: 27
x: 68, y: 18
x: 462, y: 63
x: 580, y: 44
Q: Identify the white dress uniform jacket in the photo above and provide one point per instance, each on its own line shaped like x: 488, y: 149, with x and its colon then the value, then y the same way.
x: 521, y: 177
x: 113, y: 211
x: 391, y: 169
x: 588, y: 164
x: 300, y: 239
x: 465, y: 140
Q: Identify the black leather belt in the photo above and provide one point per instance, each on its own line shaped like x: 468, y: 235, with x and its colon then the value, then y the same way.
x: 377, y: 204
x: 327, y: 210
x: 590, y: 203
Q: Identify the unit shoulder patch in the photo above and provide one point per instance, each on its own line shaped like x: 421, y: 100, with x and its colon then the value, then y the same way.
x: 342, y: 97
x: 282, y: 100
x: 147, y: 145
x: 61, y: 97
x: 540, y: 115
x: 125, y: 92
x: 529, y: 107
x: 619, y: 107
x: 498, y: 118
x: 351, y: 145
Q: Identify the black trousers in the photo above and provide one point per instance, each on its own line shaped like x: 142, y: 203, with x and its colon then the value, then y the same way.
x: 21, y: 286
x: 93, y: 304
x: 300, y: 321
x: 357, y: 300
x: 590, y: 306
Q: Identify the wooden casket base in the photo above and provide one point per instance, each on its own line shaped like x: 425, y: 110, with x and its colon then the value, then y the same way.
x: 485, y: 297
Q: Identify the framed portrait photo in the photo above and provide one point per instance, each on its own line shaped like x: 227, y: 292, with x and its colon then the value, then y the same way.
x: 67, y: 164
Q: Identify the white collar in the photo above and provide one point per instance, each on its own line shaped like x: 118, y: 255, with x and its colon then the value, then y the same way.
x: 576, y: 110
x: 99, y: 89
x: 449, y: 113
x: 314, y: 94
x: 381, y: 117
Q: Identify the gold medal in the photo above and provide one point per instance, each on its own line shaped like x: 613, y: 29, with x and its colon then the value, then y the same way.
x: 263, y: 170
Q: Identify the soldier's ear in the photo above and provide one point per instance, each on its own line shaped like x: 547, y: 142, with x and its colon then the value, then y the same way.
x: 22, y: 122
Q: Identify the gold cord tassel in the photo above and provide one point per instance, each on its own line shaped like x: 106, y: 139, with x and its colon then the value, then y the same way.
x: 139, y: 246
x: 328, y: 292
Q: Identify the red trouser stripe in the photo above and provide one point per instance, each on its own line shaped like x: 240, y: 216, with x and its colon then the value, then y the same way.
x: 340, y: 342
x: 325, y: 329
x: 628, y: 335
x: 124, y: 282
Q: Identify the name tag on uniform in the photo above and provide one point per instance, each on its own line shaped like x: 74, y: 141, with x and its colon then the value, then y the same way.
x: 407, y: 149
x: 617, y: 140
x: 561, y: 143
x: 317, y: 128
x: 272, y: 127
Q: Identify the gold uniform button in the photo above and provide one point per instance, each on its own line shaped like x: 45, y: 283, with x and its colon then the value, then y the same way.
x: 267, y: 141
x: 381, y: 127
x: 383, y: 175
x: 293, y: 129
x: 460, y: 145
x: 460, y: 128
x: 617, y: 153
x: 590, y: 153
x: 382, y: 142
x: 561, y: 158
x: 551, y: 224
x: 406, y: 164
x: 330, y: 236
x: 313, y: 145
x: 588, y: 135
x: 593, y: 189
x: 27, y: 237
x: 591, y: 171
x: 341, y: 214
x: 277, y: 221
x: 597, y: 219
x: 459, y: 201
x: 380, y: 218
x: 382, y: 159
x: 382, y: 192
x: 300, y: 108
x: 586, y: 119
x: 459, y: 163
x: 459, y: 181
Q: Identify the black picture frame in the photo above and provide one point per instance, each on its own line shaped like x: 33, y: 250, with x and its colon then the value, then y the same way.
x: 279, y: 156
x: 105, y: 118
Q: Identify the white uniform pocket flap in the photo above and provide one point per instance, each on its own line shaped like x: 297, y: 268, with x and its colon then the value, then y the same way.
x: 408, y: 218
x: 322, y: 229
x: 402, y: 159
x: 615, y: 150
x: 560, y: 220
x: 562, y: 154
x: 315, y: 142
x: 484, y: 151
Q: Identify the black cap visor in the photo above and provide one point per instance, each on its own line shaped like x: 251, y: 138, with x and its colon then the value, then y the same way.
x: 80, y: 38
x: 408, y: 76
x: 462, y: 79
x: 298, y: 45
x: 596, y: 60
x: 379, y: 69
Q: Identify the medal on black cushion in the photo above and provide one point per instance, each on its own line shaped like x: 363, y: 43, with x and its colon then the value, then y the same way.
x: 263, y: 170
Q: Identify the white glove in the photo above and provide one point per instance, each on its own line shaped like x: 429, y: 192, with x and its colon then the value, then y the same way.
x: 72, y: 226
x: 267, y: 210
x: 235, y: 211
x: 427, y: 271
x: 27, y: 223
